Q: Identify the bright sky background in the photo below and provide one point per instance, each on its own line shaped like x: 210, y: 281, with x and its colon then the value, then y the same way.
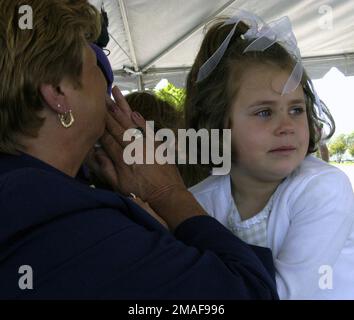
x: 337, y: 92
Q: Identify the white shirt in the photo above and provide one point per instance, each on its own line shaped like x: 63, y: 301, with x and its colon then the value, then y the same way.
x: 310, y: 229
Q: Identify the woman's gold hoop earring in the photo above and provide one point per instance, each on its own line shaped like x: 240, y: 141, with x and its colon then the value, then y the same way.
x: 66, y: 119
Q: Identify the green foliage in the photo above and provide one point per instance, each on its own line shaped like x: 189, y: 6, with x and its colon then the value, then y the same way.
x: 338, y: 146
x: 351, y: 150
x: 173, y: 95
x: 350, y: 142
x: 350, y: 139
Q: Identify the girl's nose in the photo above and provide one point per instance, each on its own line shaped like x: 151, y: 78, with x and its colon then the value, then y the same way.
x: 285, y: 125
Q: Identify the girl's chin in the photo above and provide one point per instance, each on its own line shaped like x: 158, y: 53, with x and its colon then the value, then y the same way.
x: 283, y: 172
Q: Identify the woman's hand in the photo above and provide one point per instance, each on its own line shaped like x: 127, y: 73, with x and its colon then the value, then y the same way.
x: 161, y: 186
x: 101, y: 169
x: 145, y: 180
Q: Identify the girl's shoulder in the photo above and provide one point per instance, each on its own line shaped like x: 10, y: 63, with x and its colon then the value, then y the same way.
x: 210, y: 184
x: 316, y: 183
x: 313, y: 168
x: 213, y: 194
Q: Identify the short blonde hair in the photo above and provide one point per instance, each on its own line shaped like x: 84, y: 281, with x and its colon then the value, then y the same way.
x: 50, y: 51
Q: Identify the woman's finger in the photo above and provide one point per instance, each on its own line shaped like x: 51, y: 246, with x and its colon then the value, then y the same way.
x: 115, y: 128
x: 91, y: 161
x: 113, y: 149
x: 101, y: 169
x: 140, y: 122
x: 117, y: 114
x: 107, y: 169
x: 120, y: 101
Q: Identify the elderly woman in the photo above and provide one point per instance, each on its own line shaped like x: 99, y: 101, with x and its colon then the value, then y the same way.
x: 60, y: 238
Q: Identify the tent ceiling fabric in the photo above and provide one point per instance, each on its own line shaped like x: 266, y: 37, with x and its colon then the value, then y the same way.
x: 152, y: 39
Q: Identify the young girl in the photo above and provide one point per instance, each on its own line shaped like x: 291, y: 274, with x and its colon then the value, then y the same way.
x: 248, y: 77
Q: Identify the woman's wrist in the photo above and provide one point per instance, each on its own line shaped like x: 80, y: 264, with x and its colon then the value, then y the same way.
x: 175, y: 204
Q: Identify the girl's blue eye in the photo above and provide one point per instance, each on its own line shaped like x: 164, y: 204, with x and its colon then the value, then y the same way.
x: 263, y: 113
x: 297, y: 110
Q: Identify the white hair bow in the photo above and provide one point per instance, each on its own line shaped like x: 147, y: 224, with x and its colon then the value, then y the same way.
x: 264, y: 36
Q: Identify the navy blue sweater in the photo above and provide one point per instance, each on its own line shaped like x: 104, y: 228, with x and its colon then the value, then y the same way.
x: 85, y: 243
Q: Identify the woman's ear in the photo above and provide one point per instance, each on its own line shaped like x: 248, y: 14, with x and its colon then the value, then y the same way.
x: 53, y: 97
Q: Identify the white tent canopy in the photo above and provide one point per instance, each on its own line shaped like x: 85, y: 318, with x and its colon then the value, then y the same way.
x: 154, y: 39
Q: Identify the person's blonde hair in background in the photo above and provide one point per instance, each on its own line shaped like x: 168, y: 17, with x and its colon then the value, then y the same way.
x: 164, y: 115
x: 153, y: 108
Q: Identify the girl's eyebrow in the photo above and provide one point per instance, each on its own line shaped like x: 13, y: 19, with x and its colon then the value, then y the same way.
x: 274, y: 102
x: 295, y: 101
x: 262, y: 102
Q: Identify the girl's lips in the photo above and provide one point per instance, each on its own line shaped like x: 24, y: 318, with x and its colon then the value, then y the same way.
x: 283, y: 151
x: 287, y: 148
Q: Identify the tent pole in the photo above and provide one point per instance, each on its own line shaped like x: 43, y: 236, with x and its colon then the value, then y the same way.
x: 141, y: 86
x: 123, y: 11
